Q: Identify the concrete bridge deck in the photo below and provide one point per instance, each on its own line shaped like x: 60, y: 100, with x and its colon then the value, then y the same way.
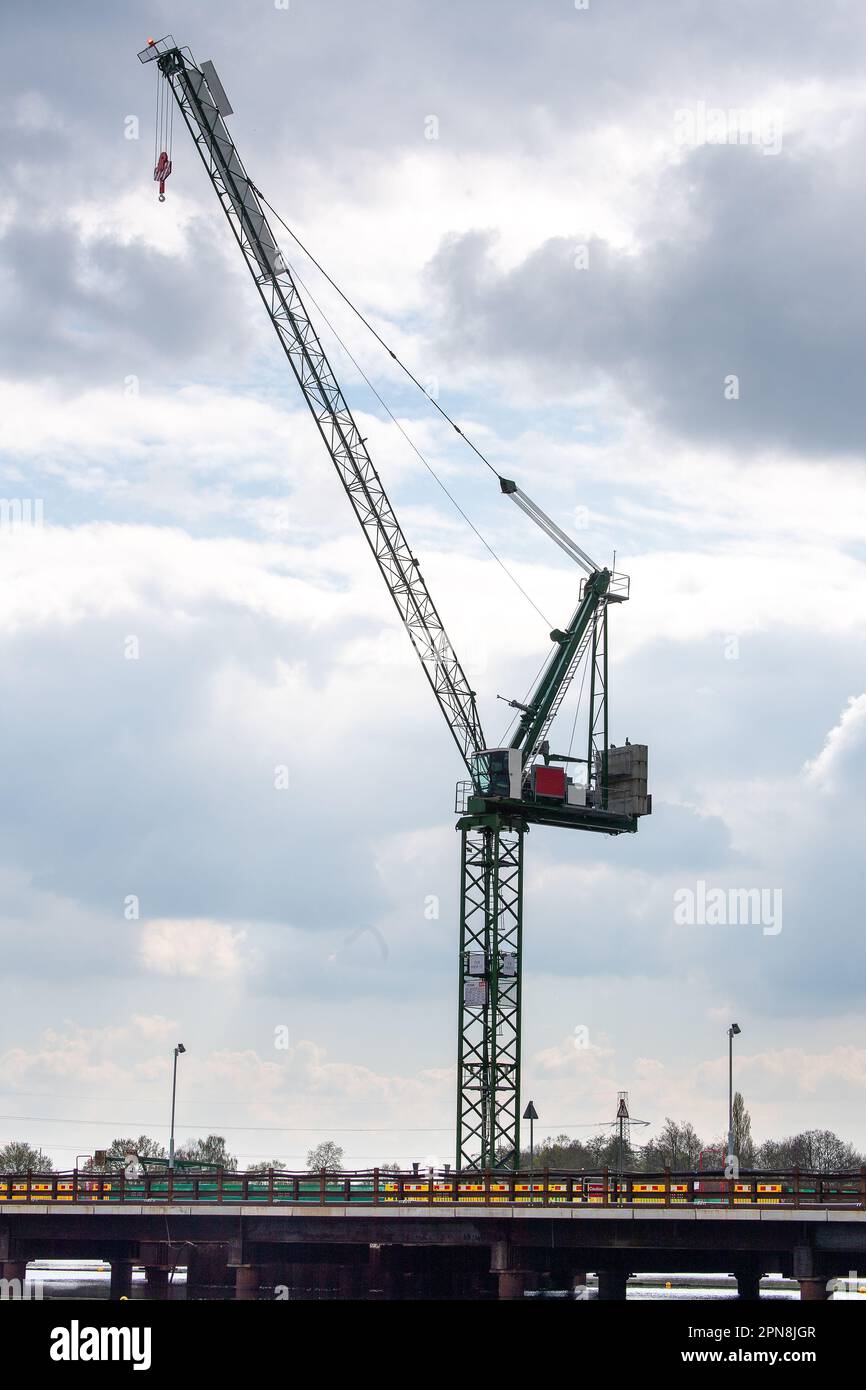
x: 430, y: 1250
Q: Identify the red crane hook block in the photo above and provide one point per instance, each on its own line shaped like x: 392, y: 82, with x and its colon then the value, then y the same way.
x: 161, y: 173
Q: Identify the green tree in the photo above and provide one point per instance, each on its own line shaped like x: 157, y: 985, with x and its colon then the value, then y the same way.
x: 744, y: 1145
x: 20, y: 1157
x: 276, y: 1163
x: 211, y: 1151
x: 327, y: 1155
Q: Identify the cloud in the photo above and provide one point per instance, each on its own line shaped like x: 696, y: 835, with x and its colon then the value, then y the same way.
x: 751, y: 274
x: 196, y: 949
x: 841, y: 764
x: 189, y: 504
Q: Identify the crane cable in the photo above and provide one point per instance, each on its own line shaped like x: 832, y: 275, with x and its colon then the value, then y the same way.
x: 430, y: 469
x: 376, y: 335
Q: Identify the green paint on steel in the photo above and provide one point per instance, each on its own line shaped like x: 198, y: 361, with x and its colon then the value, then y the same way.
x: 491, y: 930
x: 531, y: 724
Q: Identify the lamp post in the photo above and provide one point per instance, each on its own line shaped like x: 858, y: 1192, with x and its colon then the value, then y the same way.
x: 531, y: 1114
x: 177, y: 1051
x: 732, y: 1032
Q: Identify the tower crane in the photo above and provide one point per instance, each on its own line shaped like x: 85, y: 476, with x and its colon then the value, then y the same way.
x: 508, y: 789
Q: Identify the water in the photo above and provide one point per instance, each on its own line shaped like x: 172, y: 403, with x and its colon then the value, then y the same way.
x: 88, y: 1280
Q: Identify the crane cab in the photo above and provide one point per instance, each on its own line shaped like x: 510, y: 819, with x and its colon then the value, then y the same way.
x: 498, y: 772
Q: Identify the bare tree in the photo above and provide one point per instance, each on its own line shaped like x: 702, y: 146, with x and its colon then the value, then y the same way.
x: 814, y: 1150
x: 328, y: 1156
x: 211, y: 1151
x: 142, y: 1147
x: 678, y: 1147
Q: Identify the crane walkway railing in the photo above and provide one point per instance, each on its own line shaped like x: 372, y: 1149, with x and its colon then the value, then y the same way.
x: 379, y: 1187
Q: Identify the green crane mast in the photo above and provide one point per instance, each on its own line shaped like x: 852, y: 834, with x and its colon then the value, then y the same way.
x: 509, y: 789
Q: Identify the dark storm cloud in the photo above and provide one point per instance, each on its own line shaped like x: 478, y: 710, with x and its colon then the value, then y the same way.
x: 347, y: 87
x: 328, y: 77
x: 762, y: 278
x: 89, y: 311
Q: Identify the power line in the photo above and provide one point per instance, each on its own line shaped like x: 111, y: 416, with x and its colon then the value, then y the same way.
x: 242, y: 1129
x: 277, y: 1129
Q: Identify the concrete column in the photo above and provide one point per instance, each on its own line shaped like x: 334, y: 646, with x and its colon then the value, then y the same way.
x: 748, y: 1283
x: 578, y: 1284
x: 156, y: 1280
x: 512, y: 1283
x: 813, y: 1290
x: 121, y: 1279
x: 14, y: 1269
x: 504, y: 1263
x: 247, y: 1280
x: 612, y: 1284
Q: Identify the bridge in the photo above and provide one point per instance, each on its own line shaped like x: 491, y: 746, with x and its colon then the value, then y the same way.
x: 471, y: 1235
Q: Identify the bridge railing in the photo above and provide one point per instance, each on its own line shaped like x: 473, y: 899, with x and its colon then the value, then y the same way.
x: 373, y: 1187
x: 792, y: 1188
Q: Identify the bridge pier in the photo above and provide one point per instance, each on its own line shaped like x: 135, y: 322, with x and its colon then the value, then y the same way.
x: 505, y: 1264
x: 512, y: 1283
x: 612, y: 1284
x: 207, y: 1270
x: 748, y: 1282
x: 156, y: 1281
x: 813, y: 1290
x: 247, y: 1281
x: 14, y: 1269
x: 121, y: 1279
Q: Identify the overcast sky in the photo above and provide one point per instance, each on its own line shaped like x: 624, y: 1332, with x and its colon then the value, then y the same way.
x: 626, y: 243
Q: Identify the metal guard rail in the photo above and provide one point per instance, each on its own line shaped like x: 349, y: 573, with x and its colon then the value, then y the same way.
x: 374, y: 1187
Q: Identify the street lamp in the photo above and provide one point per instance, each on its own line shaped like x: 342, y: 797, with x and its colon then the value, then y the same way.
x: 531, y: 1114
x: 177, y: 1051
x: 732, y: 1033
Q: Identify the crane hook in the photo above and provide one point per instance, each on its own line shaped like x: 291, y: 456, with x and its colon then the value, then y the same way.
x: 161, y: 173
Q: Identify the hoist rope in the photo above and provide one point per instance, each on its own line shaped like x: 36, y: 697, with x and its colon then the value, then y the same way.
x: 430, y: 469
x: 163, y: 132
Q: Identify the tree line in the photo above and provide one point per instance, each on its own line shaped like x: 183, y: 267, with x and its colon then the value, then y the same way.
x: 211, y: 1151
x: 678, y: 1146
